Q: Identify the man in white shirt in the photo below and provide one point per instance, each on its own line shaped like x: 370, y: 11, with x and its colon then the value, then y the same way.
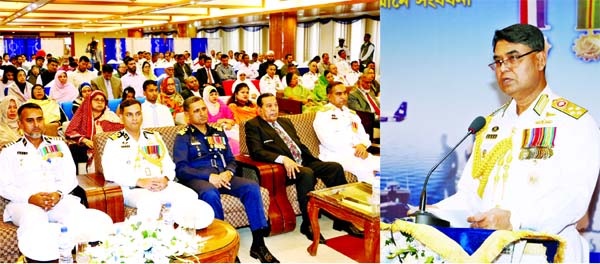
x: 342, y: 136
x: 337, y: 76
x: 138, y: 161
x: 352, y: 76
x: 249, y: 69
x: 81, y: 74
x: 154, y: 113
x: 270, y: 82
x: 343, y: 64
x: 133, y: 78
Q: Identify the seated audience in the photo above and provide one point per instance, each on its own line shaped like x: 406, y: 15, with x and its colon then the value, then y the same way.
x: 147, y: 71
x: 53, y: 114
x: 33, y: 74
x: 192, y: 88
x: 363, y: 98
x: 62, y: 90
x: 225, y: 70
x: 121, y: 70
x: 310, y: 78
x: 155, y: 114
x: 219, y: 115
x: 320, y: 91
x: 297, y: 92
x: 20, y: 88
x: 94, y: 117
x: 9, y: 127
x: 85, y: 89
x: 139, y: 162
x: 354, y: 73
x: 342, y: 136
x: 270, y: 82
x: 38, y: 178
x: 170, y: 97
x: 47, y: 77
x: 169, y: 73
x: 8, y: 77
x: 249, y: 69
x: 181, y: 71
x: 273, y: 139
x: 209, y: 168
x: 207, y: 76
x: 370, y: 78
x: 241, y: 106
x: 107, y: 83
x: 242, y: 77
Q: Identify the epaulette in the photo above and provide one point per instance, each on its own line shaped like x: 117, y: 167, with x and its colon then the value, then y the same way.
x: 215, y: 127
x: 118, y: 134
x: 502, y: 108
x: 568, y: 107
x: 14, y: 142
x: 147, y: 133
x: 183, y: 131
x: 326, y: 108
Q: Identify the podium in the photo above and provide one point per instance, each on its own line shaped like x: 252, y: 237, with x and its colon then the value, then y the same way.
x: 404, y: 241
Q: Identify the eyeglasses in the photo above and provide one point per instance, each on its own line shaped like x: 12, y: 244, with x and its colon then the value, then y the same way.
x: 509, y: 62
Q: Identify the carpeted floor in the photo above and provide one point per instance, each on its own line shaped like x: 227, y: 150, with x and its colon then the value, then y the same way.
x: 350, y: 246
x: 291, y: 247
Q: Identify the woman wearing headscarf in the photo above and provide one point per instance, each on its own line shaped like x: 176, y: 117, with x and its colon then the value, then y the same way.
x: 85, y: 89
x: 320, y: 91
x: 62, y: 90
x: 252, y: 91
x: 8, y: 77
x: 241, y: 106
x: 170, y: 97
x: 93, y: 117
x: 147, y: 71
x: 9, y: 128
x: 53, y: 115
x: 219, y: 115
x: 20, y: 88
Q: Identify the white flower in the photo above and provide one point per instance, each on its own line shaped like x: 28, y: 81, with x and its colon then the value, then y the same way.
x: 139, y: 241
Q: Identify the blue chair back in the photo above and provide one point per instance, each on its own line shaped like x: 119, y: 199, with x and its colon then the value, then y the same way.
x: 67, y: 107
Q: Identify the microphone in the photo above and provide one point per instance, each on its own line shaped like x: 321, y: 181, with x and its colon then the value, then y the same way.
x: 424, y: 217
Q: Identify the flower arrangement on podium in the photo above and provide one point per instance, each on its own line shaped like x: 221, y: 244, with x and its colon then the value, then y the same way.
x: 143, y: 241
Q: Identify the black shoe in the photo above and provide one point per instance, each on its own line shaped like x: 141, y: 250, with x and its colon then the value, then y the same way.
x: 307, y: 231
x: 237, y: 260
x: 262, y: 254
x: 349, y: 228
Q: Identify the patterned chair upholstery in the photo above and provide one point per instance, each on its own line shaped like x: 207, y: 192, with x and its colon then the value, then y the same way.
x: 284, y: 199
x: 9, y: 253
x: 232, y: 206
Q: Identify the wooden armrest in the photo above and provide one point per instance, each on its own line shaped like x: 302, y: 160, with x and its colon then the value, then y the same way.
x: 96, y: 193
x: 272, y: 177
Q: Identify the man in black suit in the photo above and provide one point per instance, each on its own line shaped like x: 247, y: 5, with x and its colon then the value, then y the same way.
x: 273, y: 139
x: 182, y: 70
x: 213, y: 79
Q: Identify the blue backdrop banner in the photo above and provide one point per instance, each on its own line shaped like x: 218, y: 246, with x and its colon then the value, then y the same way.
x: 199, y: 45
x: 114, y: 49
x: 161, y: 45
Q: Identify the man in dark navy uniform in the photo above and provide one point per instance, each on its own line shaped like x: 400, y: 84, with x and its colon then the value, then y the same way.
x: 204, y: 162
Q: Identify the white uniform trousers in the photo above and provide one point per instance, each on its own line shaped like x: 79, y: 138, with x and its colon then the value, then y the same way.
x: 362, y: 168
x: 149, y: 203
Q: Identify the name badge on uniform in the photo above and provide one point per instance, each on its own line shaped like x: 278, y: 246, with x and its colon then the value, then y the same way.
x: 50, y: 152
x: 333, y: 117
x: 538, y: 143
x: 125, y: 144
x: 21, y: 152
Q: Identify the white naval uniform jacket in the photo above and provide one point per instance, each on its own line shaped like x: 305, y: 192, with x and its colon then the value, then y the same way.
x: 124, y: 163
x: 27, y: 170
x: 333, y: 127
x: 548, y: 194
